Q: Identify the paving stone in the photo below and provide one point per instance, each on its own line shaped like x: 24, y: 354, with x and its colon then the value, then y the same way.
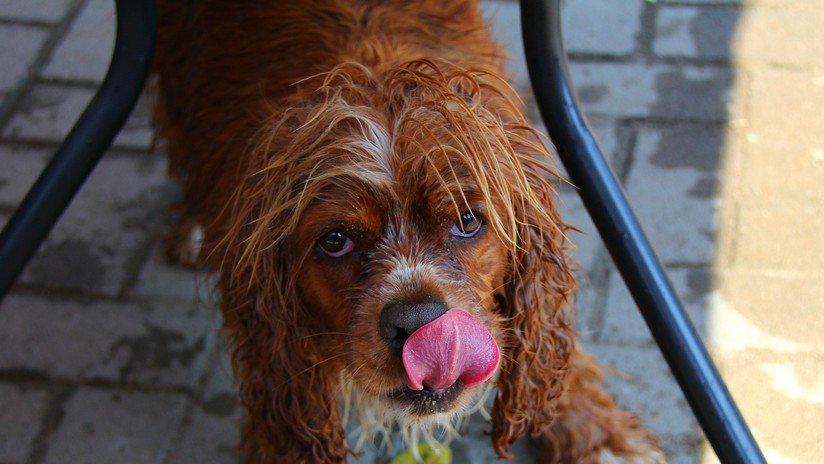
x: 220, y: 393
x: 644, y: 385
x: 21, y: 167
x: 105, y: 229
x: 35, y: 10
x: 780, y: 396
x: 124, y: 342
x: 768, y: 311
x: 590, y: 26
x: 20, y: 47
x: 160, y: 278
x: 774, y: 144
x: 780, y: 235
x: 116, y: 426
x: 598, y: 27
x: 661, y: 90
x: 695, y: 32
x: 623, y: 323
x: 213, y: 433
x: 85, y: 52
x: 673, y: 188
x: 785, y: 33
x: 210, y: 438
x: 701, y: 2
x: 21, y: 412
x: 49, y: 111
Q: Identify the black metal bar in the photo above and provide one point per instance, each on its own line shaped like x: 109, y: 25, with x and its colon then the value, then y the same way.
x: 88, y: 140
x: 642, y: 272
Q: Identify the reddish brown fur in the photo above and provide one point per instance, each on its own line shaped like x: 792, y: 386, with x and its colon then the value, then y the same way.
x: 387, y: 119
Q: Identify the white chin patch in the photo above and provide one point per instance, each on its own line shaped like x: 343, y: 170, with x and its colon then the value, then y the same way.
x: 371, y: 422
x: 195, y: 241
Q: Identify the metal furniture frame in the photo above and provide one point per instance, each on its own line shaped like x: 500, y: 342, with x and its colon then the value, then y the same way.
x: 602, y: 195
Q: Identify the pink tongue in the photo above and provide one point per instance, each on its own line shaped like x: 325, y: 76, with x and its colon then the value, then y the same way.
x: 453, y: 346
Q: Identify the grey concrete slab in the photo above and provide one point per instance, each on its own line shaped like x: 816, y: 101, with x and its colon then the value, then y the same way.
x: 97, y: 243
x: 779, y: 394
x: 673, y: 186
x: 654, y: 90
x: 695, y: 32
x: 776, y: 236
x: 21, y: 44
x: 103, y: 425
x: 784, y: 306
x: 776, y: 144
x: 21, y: 167
x: 50, y: 111
x: 590, y: 26
x: 212, y: 434
x: 35, y: 10
x: 21, y: 414
x: 210, y: 438
x: 120, y: 342
x: 161, y: 279
x: 701, y: 2
x: 623, y: 324
x: 785, y: 34
x: 85, y: 51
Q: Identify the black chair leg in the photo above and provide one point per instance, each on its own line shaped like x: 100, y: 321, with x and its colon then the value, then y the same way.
x: 633, y: 255
x: 88, y: 140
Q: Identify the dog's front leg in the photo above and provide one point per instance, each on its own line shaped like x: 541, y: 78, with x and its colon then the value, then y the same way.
x: 289, y: 418
x: 286, y: 388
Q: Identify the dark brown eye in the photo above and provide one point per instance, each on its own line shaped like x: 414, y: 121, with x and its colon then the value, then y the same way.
x: 467, y: 225
x: 336, y: 244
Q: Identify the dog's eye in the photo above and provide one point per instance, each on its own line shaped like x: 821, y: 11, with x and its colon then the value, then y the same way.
x: 467, y: 225
x: 336, y: 244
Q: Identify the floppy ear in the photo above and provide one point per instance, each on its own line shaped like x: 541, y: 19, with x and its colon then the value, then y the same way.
x: 291, y: 411
x: 540, y: 338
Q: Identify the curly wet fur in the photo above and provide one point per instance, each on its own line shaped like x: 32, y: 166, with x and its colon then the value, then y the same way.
x: 280, y: 116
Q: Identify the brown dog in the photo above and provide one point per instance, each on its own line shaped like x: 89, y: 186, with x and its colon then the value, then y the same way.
x: 381, y: 216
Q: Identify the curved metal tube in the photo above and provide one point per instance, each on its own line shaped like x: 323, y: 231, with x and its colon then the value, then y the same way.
x: 642, y: 272
x: 88, y: 140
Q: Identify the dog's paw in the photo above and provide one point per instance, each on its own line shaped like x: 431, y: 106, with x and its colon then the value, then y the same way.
x: 183, y: 246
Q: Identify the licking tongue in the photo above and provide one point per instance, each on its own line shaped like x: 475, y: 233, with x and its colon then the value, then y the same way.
x: 453, y: 346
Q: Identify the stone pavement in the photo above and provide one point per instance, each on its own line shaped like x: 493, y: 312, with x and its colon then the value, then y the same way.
x: 710, y: 111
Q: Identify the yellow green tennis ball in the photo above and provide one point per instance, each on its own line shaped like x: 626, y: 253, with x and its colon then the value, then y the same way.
x: 439, y: 454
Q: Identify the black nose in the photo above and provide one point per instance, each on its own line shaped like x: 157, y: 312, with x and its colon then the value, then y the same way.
x: 400, y: 319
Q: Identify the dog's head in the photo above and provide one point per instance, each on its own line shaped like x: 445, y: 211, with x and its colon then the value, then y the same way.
x: 397, y: 234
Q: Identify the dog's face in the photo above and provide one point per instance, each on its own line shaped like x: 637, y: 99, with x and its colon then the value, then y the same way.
x: 406, y: 227
x: 382, y: 260
x: 397, y: 233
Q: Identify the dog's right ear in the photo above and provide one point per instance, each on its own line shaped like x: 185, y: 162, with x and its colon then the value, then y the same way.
x: 535, y: 303
x: 291, y: 411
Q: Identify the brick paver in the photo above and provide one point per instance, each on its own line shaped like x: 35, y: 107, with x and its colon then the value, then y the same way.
x: 21, y: 409
x: 21, y: 44
x: 49, y: 11
x: 708, y: 110
x: 103, y: 425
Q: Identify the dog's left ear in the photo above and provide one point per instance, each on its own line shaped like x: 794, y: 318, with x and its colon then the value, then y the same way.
x: 540, y: 337
x: 292, y: 414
